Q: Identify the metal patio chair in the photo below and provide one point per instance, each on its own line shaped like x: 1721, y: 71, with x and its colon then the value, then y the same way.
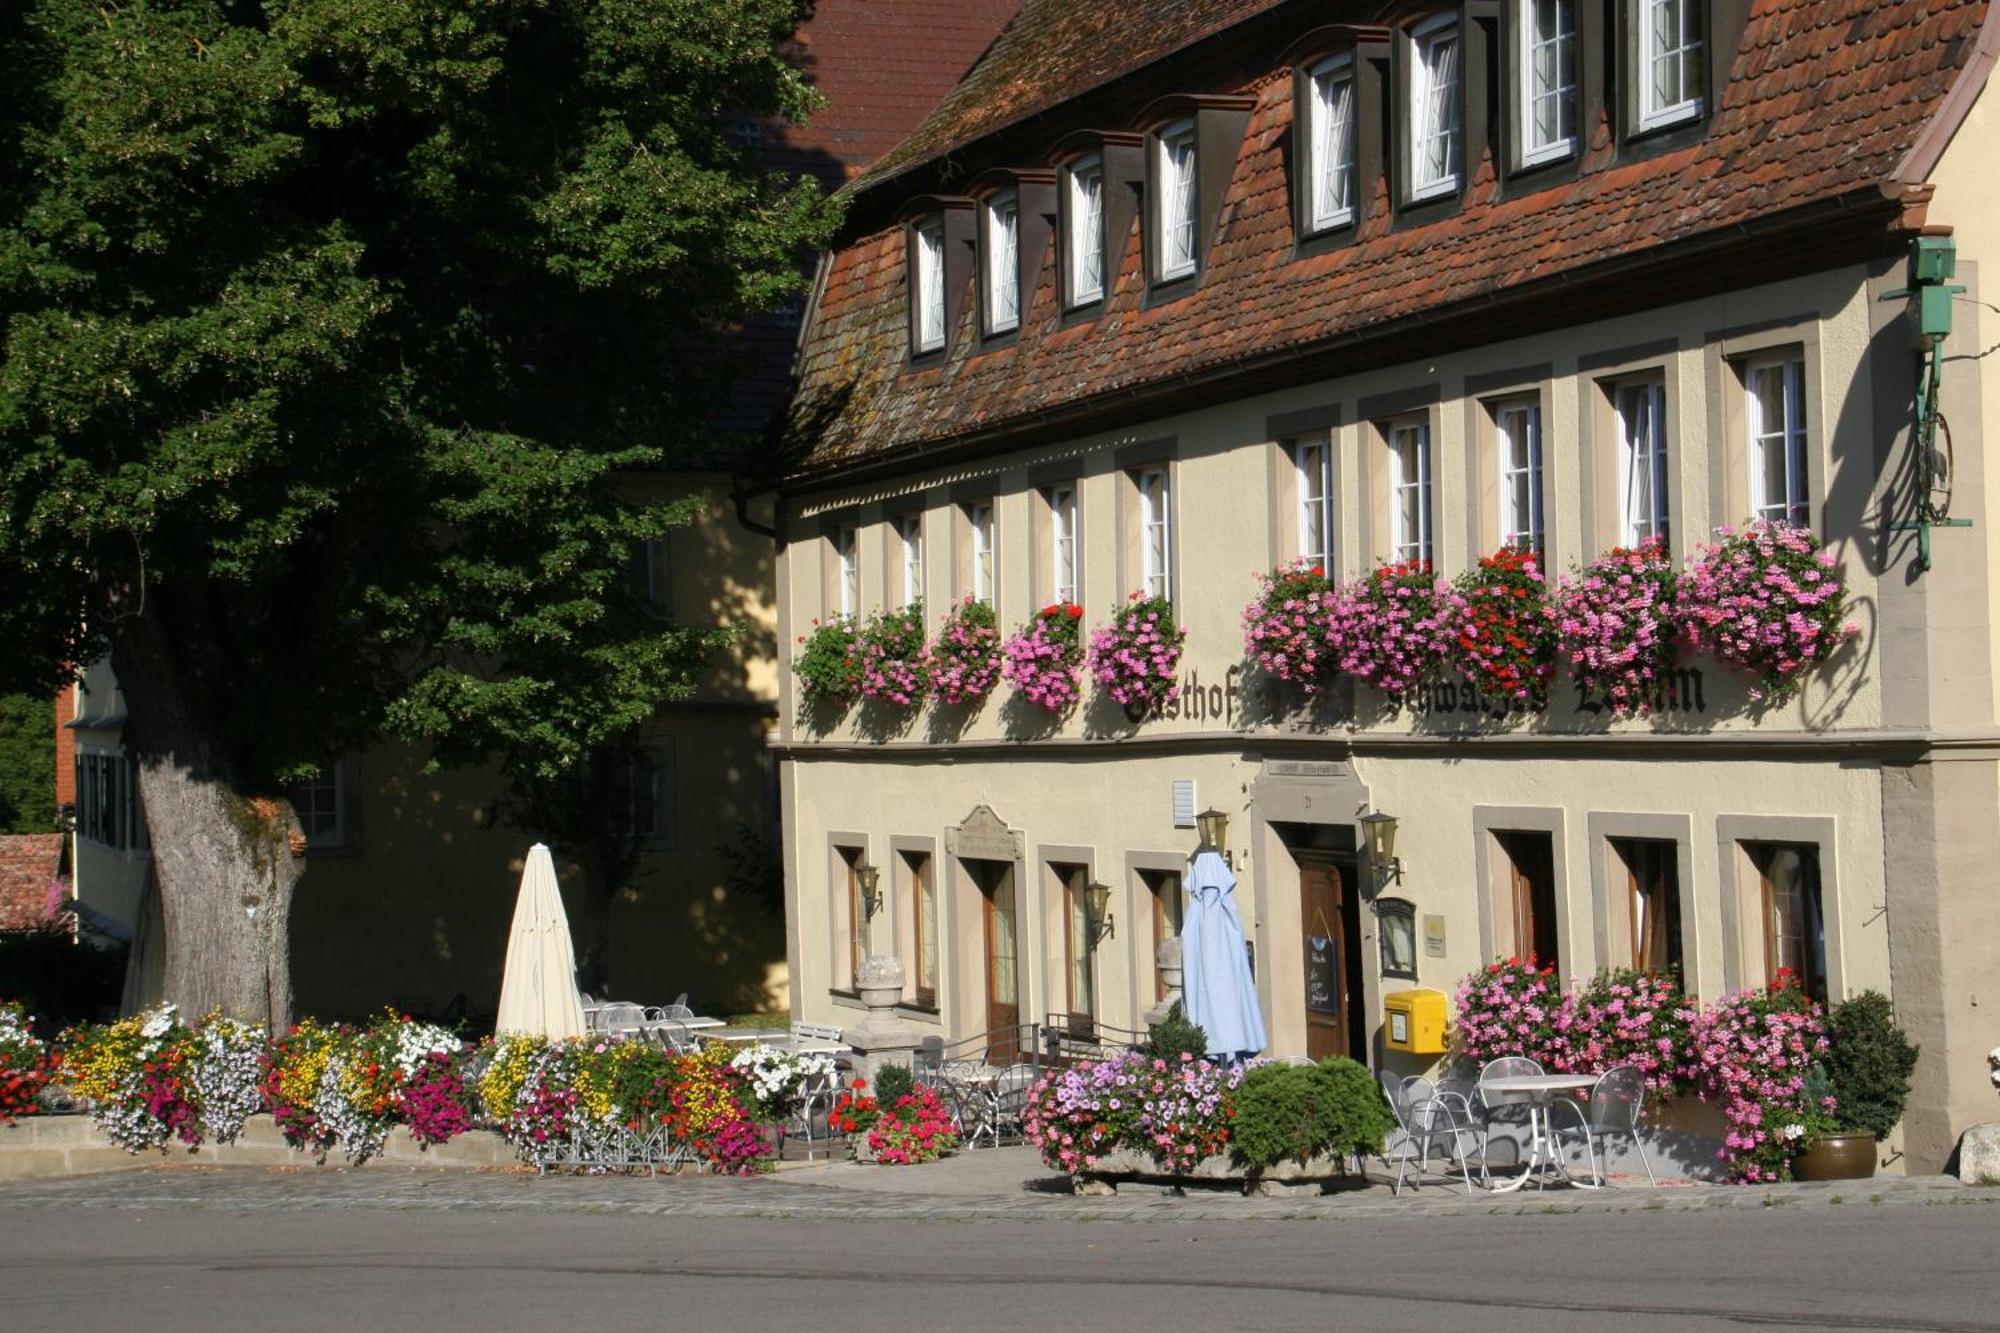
x: 1425, y: 1121
x: 1508, y: 1109
x: 1615, y: 1106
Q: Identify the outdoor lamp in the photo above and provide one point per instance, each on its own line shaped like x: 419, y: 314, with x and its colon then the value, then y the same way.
x: 1379, y: 831
x: 1214, y: 826
x: 869, y: 878
x: 1097, y: 912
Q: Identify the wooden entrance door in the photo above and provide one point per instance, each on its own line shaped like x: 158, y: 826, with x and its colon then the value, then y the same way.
x: 998, y: 907
x: 1328, y: 908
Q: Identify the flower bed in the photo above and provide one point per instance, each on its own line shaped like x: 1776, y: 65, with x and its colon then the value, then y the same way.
x: 24, y: 1065
x: 1134, y: 657
x: 961, y: 665
x: 1765, y: 600
x: 1042, y: 657
x: 915, y: 1128
x: 1285, y: 630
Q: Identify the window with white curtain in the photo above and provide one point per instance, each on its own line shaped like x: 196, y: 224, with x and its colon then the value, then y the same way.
x: 1003, y: 262
x: 1518, y: 437
x: 846, y: 569
x: 1548, y: 80
x: 979, y: 519
x: 1313, y: 460
x: 1433, y: 119
x: 1177, y: 200
x: 1410, y: 492
x: 1671, y: 61
x: 910, y: 533
x: 1331, y: 113
x: 1062, y: 542
x: 1642, y: 462
x: 929, y: 293
x: 1156, y: 544
x: 1776, y: 417
x: 1086, y: 229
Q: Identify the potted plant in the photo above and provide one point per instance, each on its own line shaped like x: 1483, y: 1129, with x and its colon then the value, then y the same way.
x: 1041, y: 658
x: 1856, y: 1094
x: 1135, y: 656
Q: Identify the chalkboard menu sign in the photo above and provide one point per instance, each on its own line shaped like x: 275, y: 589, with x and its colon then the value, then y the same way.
x: 1322, y: 976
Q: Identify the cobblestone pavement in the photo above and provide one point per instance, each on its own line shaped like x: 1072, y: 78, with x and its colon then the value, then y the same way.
x: 1003, y: 1185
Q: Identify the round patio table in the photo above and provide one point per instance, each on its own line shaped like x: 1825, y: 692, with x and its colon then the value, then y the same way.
x: 1538, y: 1090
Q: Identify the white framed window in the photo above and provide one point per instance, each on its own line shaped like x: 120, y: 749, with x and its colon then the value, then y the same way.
x: 1518, y: 441
x: 653, y: 573
x: 1776, y: 418
x: 1085, y: 218
x: 1062, y: 542
x: 979, y: 518
x: 648, y: 794
x: 929, y: 294
x: 1177, y: 200
x: 1642, y: 462
x: 1331, y: 113
x: 1003, y: 262
x: 910, y: 534
x: 1671, y: 63
x: 846, y: 569
x: 1548, y: 80
x: 1156, y: 544
x: 1410, y: 492
x: 320, y: 802
x: 1433, y: 119
x: 1313, y: 461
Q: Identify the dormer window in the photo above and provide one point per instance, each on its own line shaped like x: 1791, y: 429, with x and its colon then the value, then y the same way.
x: 1436, y: 134
x: 1083, y: 223
x: 1672, y: 68
x: 1002, y: 247
x: 1548, y: 81
x: 1174, y: 221
x: 927, y: 291
x: 1330, y: 111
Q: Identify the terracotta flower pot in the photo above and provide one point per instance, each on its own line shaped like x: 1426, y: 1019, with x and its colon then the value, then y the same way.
x: 1837, y: 1157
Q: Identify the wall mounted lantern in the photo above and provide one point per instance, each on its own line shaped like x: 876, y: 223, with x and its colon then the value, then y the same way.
x: 1097, y: 912
x: 869, y: 878
x: 1378, y: 831
x: 1214, y: 826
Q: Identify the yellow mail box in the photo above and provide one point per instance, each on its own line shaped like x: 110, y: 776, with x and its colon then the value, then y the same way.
x: 1414, y: 1021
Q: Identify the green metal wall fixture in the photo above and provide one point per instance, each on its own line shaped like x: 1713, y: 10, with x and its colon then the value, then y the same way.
x: 1933, y: 262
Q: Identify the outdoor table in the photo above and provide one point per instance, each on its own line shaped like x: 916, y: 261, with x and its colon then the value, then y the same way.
x: 1539, y: 1090
x: 771, y: 1036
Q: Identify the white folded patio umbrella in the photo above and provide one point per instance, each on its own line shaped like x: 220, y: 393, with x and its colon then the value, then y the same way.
x: 1218, y: 993
x: 538, y: 990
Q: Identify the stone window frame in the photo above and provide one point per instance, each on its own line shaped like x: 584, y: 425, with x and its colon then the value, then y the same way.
x: 1494, y: 893
x: 1052, y: 895
x: 1377, y: 415
x: 1727, y: 356
x: 966, y: 497
x: 842, y: 900
x: 1598, y: 379
x: 1142, y: 946
x: 903, y: 924
x: 896, y: 571
x: 1485, y: 396
x: 1742, y: 904
x: 1043, y: 483
x: 1609, y: 889
x: 1284, y: 432
x: 1131, y: 463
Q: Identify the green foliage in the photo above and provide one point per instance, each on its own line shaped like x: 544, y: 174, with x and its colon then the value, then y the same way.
x: 828, y: 662
x: 1868, y: 1063
x: 1298, y: 1112
x: 27, y: 764
x: 1173, y: 1035
x: 331, y: 332
x: 893, y: 1081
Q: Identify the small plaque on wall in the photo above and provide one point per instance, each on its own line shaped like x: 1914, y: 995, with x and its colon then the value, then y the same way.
x: 1434, y: 937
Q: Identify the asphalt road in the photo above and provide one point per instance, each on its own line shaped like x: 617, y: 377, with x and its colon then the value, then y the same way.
x: 169, y: 1269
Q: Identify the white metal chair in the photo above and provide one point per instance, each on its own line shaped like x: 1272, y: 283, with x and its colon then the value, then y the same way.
x: 1616, y: 1104
x: 619, y: 1016
x: 1506, y: 1108
x: 1425, y: 1119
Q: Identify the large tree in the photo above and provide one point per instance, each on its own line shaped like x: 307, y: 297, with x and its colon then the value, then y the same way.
x: 327, y: 331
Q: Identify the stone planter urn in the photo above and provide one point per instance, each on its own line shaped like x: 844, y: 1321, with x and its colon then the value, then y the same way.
x: 880, y: 983
x: 1836, y: 1157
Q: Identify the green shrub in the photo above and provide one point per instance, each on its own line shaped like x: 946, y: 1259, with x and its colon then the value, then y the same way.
x: 1297, y: 1112
x: 1868, y: 1063
x: 891, y: 1082
x: 1174, y: 1034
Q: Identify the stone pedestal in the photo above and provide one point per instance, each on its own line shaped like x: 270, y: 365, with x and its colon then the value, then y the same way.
x: 1168, y: 955
x: 881, y: 1037
x: 1979, y: 1155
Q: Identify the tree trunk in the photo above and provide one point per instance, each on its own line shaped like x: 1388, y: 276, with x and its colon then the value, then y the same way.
x: 225, y: 860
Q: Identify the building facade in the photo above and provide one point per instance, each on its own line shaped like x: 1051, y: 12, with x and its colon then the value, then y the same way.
x: 1151, y: 305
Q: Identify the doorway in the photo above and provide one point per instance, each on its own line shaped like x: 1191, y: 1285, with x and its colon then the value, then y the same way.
x: 1330, y: 908
x: 999, y: 905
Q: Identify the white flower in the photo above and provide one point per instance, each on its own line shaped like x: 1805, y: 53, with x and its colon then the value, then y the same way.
x: 417, y: 1042
x: 1793, y: 1131
x: 160, y: 1021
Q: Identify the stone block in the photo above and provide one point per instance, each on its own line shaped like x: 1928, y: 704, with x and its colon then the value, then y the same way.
x: 1979, y: 1155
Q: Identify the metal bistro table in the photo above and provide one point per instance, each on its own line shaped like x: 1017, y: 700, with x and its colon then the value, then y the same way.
x: 1538, y: 1090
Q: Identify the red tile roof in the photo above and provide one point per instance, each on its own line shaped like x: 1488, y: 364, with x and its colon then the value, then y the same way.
x: 28, y: 862
x: 1826, y: 99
